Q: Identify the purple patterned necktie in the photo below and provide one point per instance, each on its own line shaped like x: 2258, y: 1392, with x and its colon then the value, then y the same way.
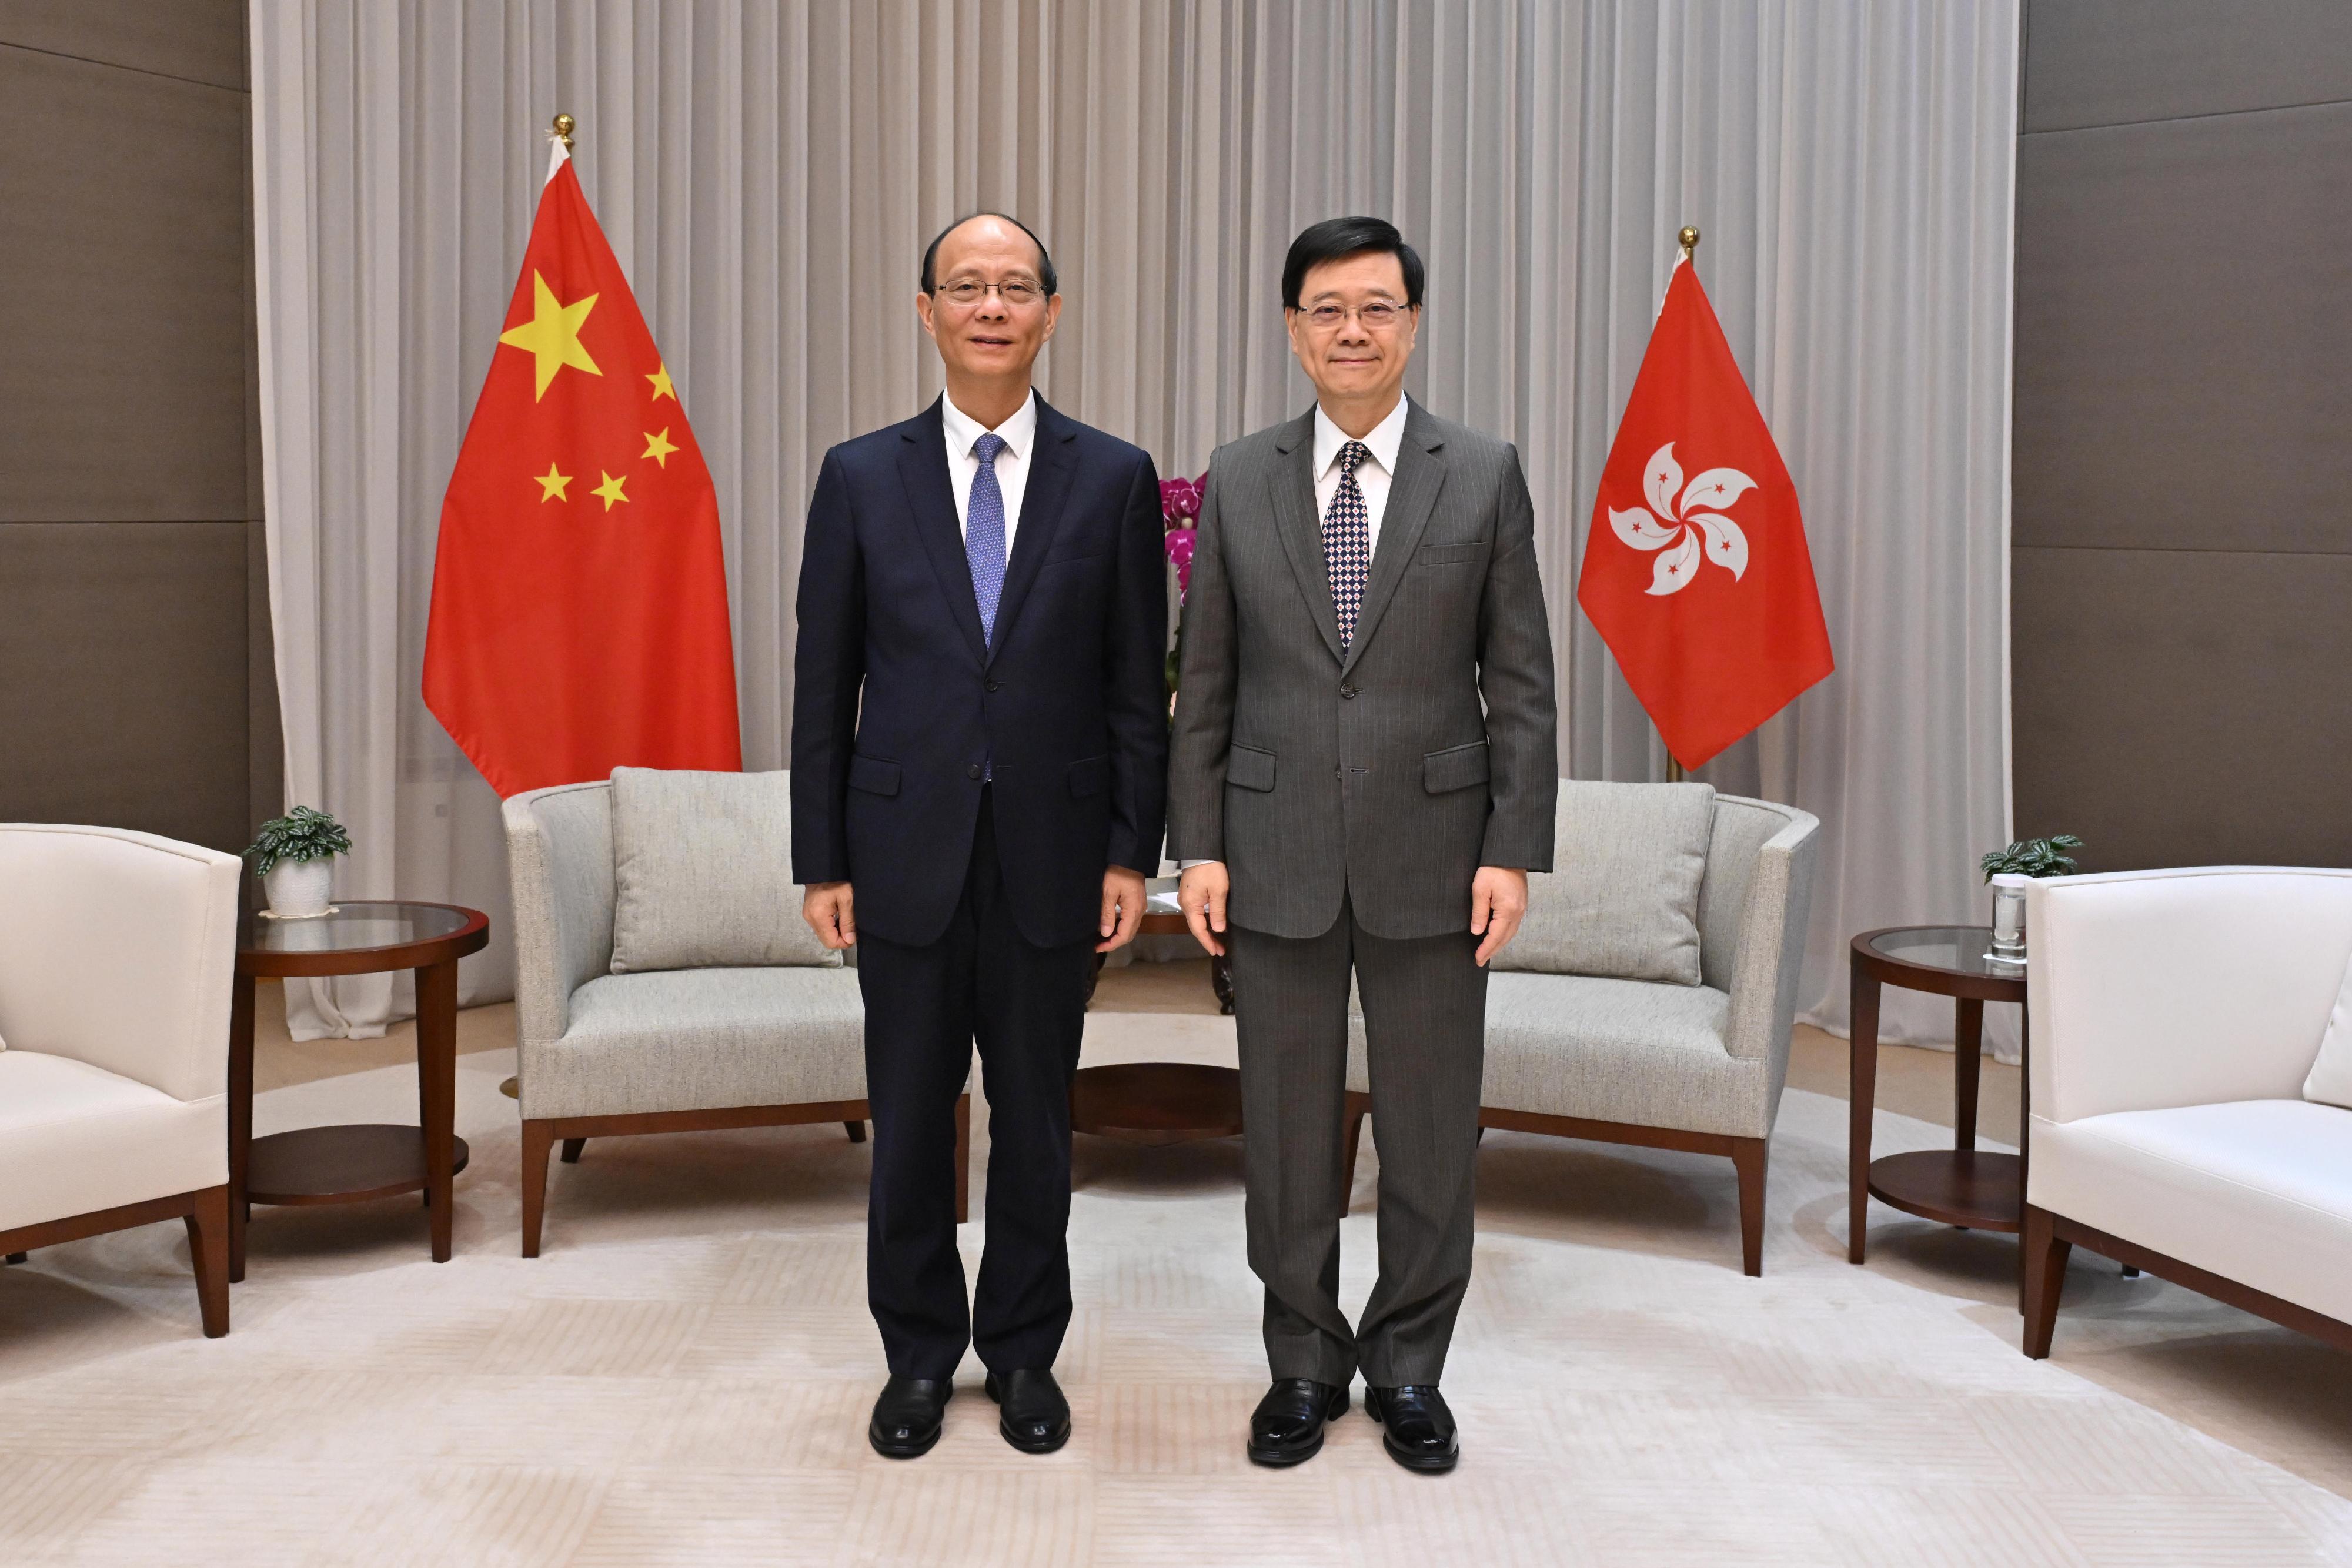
x: 1348, y: 541
x: 983, y: 533
x: 983, y: 547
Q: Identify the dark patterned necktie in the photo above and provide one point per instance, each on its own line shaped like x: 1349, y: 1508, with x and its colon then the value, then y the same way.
x: 1348, y: 541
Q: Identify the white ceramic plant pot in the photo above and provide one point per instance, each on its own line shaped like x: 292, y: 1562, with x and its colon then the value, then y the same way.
x: 2009, y: 916
x: 298, y: 889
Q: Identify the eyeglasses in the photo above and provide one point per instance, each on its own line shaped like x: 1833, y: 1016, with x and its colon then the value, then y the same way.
x: 1378, y: 316
x: 1015, y: 292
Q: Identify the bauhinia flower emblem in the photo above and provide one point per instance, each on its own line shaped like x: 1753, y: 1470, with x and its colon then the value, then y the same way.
x: 1676, y: 525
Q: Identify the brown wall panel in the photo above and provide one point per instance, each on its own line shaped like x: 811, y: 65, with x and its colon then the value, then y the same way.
x: 2181, y: 655
x: 2184, y: 707
x: 2110, y: 62
x: 123, y: 701
x: 123, y: 289
x: 2183, y: 334
x: 201, y: 40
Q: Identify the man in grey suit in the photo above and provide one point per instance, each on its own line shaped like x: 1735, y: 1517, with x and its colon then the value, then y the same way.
x: 1364, y: 770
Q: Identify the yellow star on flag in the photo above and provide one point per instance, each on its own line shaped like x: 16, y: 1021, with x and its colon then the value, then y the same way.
x: 550, y: 485
x: 658, y: 447
x: 610, y: 490
x: 553, y: 334
x: 662, y: 388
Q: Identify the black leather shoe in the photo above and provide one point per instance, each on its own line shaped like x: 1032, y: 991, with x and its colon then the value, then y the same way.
x: 1037, y: 1418
x: 1420, y: 1435
x: 905, y: 1422
x: 1286, y: 1427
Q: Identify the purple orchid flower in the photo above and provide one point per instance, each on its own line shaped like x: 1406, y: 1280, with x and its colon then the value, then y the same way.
x: 1179, y: 500
x: 1179, y: 556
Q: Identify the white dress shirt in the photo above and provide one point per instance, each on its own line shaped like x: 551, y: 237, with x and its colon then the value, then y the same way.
x: 1020, y: 433
x: 1372, y: 476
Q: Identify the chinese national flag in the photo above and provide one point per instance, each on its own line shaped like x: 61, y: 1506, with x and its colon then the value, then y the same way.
x: 580, y: 594
x: 1696, y: 573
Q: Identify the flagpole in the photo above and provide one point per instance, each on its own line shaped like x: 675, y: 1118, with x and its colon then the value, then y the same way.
x: 1687, y: 239
x: 560, y: 129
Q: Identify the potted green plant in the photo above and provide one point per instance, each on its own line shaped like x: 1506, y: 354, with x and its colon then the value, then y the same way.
x: 294, y: 855
x: 2009, y: 870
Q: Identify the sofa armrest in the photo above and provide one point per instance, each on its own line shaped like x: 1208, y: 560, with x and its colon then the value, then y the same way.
x: 1772, y: 943
x: 2149, y: 991
x: 117, y: 949
x: 559, y: 859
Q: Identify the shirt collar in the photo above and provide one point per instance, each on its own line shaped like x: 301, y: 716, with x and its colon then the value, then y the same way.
x: 1385, y: 440
x: 1019, y: 431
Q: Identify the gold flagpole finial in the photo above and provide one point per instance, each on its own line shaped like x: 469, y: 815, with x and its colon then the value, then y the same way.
x: 564, y: 124
x: 1687, y: 239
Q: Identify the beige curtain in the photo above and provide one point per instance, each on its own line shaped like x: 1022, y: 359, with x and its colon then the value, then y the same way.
x: 1851, y: 165
x: 768, y: 174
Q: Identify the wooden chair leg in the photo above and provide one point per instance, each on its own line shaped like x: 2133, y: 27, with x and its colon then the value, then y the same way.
x: 856, y: 1131
x: 538, y: 1139
x: 571, y: 1147
x: 1351, y: 1137
x: 2045, y: 1279
x: 963, y: 1158
x: 1748, y: 1156
x: 208, y: 1250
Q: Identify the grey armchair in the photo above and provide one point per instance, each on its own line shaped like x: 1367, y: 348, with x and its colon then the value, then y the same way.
x: 1695, y: 1068
x: 671, y: 1051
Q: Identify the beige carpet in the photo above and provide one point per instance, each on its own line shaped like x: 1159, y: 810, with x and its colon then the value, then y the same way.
x: 684, y: 1377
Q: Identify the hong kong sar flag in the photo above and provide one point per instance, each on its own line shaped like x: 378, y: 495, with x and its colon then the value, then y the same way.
x: 580, y: 593
x: 1695, y: 572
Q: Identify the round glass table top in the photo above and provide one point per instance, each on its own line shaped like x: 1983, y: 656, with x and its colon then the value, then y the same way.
x: 1957, y: 949
x: 355, y: 925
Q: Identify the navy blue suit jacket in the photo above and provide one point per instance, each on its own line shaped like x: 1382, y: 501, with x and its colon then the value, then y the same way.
x: 899, y: 703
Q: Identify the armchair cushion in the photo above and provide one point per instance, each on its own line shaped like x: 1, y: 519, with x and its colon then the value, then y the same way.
x: 702, y: 873
x: 2330, y: 1082
x: 77, y: 1139
x: 2259, y: 1191
x: 700, y: 1040
x: 1610, y: 1050
x: 1623, y: 902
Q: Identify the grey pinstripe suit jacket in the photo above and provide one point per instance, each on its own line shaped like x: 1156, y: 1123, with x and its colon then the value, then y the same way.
x: 1390, y: 772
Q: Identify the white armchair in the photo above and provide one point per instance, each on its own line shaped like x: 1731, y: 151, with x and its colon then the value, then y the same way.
x: 116, y: 953
x: 1694, y: 1068
x: 666, y: 1051
x: 2176, y: 1015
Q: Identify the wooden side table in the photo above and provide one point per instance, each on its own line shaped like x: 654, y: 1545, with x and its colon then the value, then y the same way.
x: 1979, y: 1190
x: 1160, y: 1102
x: 354, y: 1163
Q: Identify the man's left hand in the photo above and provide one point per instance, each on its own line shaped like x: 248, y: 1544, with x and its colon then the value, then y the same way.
x: 1122, y: 906
x: 1498, y: 902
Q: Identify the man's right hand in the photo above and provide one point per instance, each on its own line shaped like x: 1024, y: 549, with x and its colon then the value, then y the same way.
x: 826, y: 907
x: 1201, y: 894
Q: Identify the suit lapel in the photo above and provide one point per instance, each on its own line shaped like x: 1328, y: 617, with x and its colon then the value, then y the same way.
x: 1295, y: 521
x: 923, y: 468
x: 1051, y: 467
x: 1413, y: 492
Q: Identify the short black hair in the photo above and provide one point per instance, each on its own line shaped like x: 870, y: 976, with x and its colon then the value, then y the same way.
x: 1044, y: 262
x: 1335, y: 239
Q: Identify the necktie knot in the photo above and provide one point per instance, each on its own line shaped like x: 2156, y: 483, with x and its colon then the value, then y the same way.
x: 987, y: 447
x: 1351, y: 456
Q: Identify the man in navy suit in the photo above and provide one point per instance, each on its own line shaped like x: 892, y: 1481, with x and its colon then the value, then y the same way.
x: 980, y: 741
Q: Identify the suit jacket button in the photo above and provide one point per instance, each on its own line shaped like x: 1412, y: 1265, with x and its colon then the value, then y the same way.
x: 1346, y: 691
x: 972, y: 771
x: 991, y: 685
